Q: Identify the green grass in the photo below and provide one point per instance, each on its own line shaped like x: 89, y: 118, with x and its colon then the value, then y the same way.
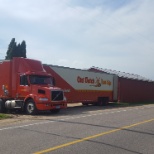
x: 4, y: 116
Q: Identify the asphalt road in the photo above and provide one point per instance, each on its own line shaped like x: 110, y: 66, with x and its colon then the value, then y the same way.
x: 82, y: 130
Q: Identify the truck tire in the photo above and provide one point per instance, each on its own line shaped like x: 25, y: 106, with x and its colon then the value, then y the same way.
x: 30, y: 107
x: 106, y: 101
x: 2, y: 106
x: 103, y: 101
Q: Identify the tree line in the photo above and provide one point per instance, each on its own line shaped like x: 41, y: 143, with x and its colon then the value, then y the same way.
x: 16, y: 50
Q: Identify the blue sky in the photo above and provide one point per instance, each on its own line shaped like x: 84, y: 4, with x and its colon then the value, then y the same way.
x: 110, y: 34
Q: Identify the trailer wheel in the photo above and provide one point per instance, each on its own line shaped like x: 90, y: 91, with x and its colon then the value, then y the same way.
x: 106, y: 101
x: 30, y: 107
x: 2, y: 106
x: 103, y: 101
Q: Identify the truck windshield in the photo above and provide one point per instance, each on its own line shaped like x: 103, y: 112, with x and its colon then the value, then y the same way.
x: 46, y: 80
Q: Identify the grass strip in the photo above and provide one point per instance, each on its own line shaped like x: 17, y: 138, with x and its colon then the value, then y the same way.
x: 4, y: 116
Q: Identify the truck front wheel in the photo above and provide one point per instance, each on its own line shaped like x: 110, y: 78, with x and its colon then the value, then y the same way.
x: 30, y: 107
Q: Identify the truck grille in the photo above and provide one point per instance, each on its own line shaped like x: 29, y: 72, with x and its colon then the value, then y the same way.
x: 57, y: 96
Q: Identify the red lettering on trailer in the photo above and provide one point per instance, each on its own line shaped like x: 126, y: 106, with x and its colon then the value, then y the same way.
x: 80, y: 80
x: 108, y: 82
x: 88, y: 80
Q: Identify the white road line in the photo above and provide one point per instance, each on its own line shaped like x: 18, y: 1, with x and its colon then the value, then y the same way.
x: 69, y: 118
x: 14, y: 127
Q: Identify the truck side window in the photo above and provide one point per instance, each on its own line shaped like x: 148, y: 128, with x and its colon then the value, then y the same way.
x: 23, y: 80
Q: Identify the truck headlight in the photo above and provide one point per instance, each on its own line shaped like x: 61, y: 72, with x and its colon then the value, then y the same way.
x: 43, y: 99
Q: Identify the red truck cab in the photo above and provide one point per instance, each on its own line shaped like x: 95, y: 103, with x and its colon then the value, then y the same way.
x: 26, y: 85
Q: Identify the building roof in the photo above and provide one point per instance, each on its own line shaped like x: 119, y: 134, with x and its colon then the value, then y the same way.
x: 121, y: 74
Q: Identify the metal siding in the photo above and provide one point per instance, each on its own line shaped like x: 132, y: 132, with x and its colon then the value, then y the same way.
x: 135, y: 91
x: 115, y: 88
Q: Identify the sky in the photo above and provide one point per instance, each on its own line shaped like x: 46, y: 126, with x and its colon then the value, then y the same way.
x: 111, y: 34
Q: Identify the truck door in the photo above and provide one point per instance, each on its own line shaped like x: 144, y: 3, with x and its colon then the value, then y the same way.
x: 23, y: 88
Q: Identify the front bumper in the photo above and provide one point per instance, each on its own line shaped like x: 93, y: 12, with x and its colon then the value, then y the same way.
x: 49, y: 106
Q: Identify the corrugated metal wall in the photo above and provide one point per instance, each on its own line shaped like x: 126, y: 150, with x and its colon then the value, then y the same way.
x: 135, y: 91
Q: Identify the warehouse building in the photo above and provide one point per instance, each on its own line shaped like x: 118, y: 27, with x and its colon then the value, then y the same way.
x: 131, y: 87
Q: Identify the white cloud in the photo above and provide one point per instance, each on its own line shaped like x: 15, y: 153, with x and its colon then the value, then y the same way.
x: 79, y: 35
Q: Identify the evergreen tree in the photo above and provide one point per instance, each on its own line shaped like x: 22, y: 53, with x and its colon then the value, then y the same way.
x: 11, y: 48
x: 23, y: 49
x: 16, y: 50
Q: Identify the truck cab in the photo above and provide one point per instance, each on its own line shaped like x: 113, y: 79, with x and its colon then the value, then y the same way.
x: 28, y: 87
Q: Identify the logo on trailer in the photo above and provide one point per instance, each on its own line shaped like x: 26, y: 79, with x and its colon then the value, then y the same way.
x: 98, y: 82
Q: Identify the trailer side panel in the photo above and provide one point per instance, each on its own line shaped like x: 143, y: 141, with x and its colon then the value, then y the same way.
x: 82, y: 85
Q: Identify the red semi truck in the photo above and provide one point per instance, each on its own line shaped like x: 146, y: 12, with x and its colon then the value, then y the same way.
x: 85, y: 86
x: 24, y: 84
